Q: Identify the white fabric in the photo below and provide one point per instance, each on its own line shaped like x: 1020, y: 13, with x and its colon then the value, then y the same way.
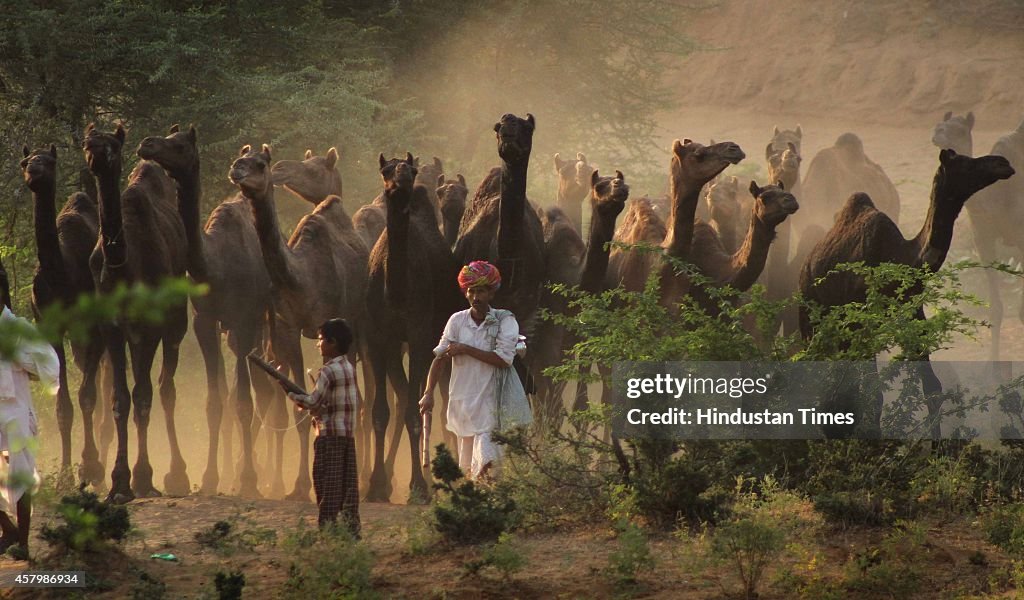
x: 18, y: 427
x: 471, y: 393
x: 475, y: 452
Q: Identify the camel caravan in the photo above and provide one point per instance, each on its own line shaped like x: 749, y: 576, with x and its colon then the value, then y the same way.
x: 391, y: 271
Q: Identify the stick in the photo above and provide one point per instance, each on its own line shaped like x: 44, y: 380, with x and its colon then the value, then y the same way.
x: 288, y: 383
x: 425, y: 441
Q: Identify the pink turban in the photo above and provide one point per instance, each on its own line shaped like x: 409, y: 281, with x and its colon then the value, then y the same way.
x: 478, y: 273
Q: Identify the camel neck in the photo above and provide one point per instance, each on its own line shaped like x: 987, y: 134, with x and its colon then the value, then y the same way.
x: 512, y: 208
x: 595, y: 266
x: 189, y: 192
x: 398, y: 202
x: 276, y: 255
x: 931, y: 245
x: 115, y: 251
x: 749, y: 260
x: 44, y: 210
x: 684, y: 196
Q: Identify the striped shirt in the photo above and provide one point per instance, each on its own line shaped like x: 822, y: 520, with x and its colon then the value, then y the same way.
x: 335, y: 399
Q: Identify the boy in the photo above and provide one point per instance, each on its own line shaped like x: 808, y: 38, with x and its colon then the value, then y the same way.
x: 333, y: 405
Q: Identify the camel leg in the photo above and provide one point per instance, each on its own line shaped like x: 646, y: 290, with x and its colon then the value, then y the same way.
x: 209, y: 345
x: 88, y: 361
x: 397, y: 393
x: 381, y: 352
x: 245, y: 343
x: 105, y: 380
x: 264, y: 390
x: 986, y: 247
x: 65, y: 411
x: 120, y: 475
x: 303, y: 424
x: 176, y: 481
x: 142, y: 354
x: 364, y: 428
x: 450, y: 439
x: 419, y: 363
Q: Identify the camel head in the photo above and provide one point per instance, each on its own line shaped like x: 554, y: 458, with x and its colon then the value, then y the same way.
x: 959, y: 176
x: 176, y: 153
x: 608, y: 195
x: 427, y: 173
x: 772, y: 203
x: 515, y: 137
x: 782, y: 137
x: 697, y: 164
x: 573, y: 176
x: 452, y: 194
x: 103, y: 150
x: 312, y: 179
x: 251, y: 171
x: 398, y: 173
x: 785, y: 165
x: 955, y: 132
x: 723, y: 200
x: 851, y: 148
x: 39, y: 167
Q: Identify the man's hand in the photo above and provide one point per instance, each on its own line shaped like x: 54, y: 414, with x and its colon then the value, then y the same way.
x: 427, y: 403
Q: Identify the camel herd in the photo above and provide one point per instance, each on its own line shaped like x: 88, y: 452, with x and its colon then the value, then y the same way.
x: 390, y: 269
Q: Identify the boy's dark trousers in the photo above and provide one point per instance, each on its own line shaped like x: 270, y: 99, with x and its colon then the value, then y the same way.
x: 336, y: 481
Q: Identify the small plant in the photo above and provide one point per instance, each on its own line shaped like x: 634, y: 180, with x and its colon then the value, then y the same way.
x: 1004, y: 527
x: 750, y: 544
x: 335, y: 565
x: 227, y: 537
x: 88, y: 523
x: 467, y: 514
x: 229, y: 585
x: 506, y: 556
x: 148, y: 588
x: 633, y: 554
x: 422, y: 536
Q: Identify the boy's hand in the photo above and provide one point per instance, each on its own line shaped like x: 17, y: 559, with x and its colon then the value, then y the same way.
x: 426, y: 403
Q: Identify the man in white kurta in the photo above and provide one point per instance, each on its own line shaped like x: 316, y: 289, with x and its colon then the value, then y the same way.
x: 18, y: 429
x: 478, y: 343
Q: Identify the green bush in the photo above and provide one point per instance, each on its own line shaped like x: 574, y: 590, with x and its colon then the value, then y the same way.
x: 467, y: 513
x: 229, y: 585
x: 632, y: 555
x: 750, y: 544
x: 88, y: 523
x: 332, y: 565
x: 1004, y: 527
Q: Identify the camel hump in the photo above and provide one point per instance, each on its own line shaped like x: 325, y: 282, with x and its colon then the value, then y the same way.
x: 859, y: 201
x: 80, y: 204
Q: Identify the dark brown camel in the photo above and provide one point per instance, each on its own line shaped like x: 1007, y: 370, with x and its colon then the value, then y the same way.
x: 426, y: 175
x: 412, y: 292
x: 995, y: 212
x: 142, y: 240
x: 573, y: 187
x: 451, y: 196
x: 318, y: 274
x: 224, y: 255
x: 63, y: 245
x: 864, y: 233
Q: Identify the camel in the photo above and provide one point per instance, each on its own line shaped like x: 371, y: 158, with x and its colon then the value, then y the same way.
x: 312, y: 179
x: 224, y: 255
x: 63, y: 244
x: 451, y: 196
x: 426, y: 175
x: 412, y: 291
x: 995, y: 211
x: 741, y: 268
x: 573, y: 187
x: 640, y: 225
x: 142, y: 240
x: 864, y: 233
x: 317, y: 274
x: 369, y: 223
x: 781, y: 273
x: 839, y: 171
x: 501, y: 228
x: 724, y: 210
x: 781, y: 138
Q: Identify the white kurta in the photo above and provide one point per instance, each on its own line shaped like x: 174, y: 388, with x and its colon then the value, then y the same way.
x: 18, y: 427
x: 471, y: 392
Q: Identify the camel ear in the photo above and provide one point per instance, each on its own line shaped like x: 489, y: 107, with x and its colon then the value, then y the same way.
x: 245, y: 150
x: 947, y: 116
x: 332, y: 157
x: 497, y: 127
x: 580, y: 157
x: 53, y: 150
x: 734, y: 181
x: 946, y: 155
x: 265, y: 149
x: 531, y: 121
x: 440, y: 180
x: 412, y: 161
x: 594, y: 178
x: 799, y: 132
x: 754, y: 190
x: 792, y: 147
x: 768, y: 151
x: 970, y: 120
x: 437, y: 164
x: 192, y: 133
x: 619, y: 175
x: 119, y: 133
x: 775, y: 131
x: 25, y: 151
x: 89, y: 128
x: 308, y: 155
x: 461, y: 179
x: 677, y: 147
x: 381, y: 159
x: 558, y: 162
x: 779, y: 184
x: 174, y: 129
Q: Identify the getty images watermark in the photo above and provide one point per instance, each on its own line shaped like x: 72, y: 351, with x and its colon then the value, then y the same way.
x: 812, y: 400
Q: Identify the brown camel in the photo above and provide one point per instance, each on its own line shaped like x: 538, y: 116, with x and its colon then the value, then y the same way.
x: 142, y: 240
x: 573, y: 187
x: 782, y: 271
x: 224, y: 255
x: 640, y: 225
x: 451, y: 196
x: 503, y: 229
x: 412, y: 292
x: 63, y: 245
x: 369, y: 222
x: 839, y: 171
x: 995, y: 212
x: 426, y: 175
x: 318, y: 274
x: 725, y: 210
x: 313, y: 179
x: 864, y: 233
